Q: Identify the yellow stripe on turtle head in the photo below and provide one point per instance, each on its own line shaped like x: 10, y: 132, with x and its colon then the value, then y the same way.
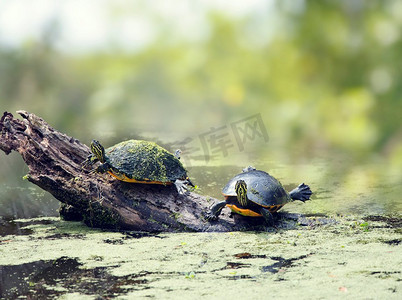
x: 241, y: 192
x: 98, y: 150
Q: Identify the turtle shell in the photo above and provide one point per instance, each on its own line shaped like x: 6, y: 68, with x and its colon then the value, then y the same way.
x: 262, y: 188
x: 144, y: 161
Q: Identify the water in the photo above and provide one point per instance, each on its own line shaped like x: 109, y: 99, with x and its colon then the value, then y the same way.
x: 68, y: 259
x: 338, y: 188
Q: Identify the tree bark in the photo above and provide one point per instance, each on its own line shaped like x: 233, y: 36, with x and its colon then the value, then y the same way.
x: 55, y: 165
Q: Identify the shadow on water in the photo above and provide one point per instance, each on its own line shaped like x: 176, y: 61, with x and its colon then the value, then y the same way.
x: 282, y: 263
x: 11, y: 227
x: 47, y: 279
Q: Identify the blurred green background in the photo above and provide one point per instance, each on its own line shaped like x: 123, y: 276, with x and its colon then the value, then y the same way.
x: 324, y: 76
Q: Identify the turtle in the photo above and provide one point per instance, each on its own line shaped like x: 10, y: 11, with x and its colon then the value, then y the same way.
x: 139, y: 161
x: 255, y: 193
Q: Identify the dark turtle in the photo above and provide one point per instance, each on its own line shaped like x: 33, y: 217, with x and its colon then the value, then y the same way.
x: 140, y: 162
x: 255, y: 193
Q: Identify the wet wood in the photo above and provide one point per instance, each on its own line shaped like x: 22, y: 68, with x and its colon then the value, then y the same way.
x: 55, y: 165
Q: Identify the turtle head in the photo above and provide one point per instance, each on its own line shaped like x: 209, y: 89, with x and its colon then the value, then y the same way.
x: 241, y: 192
x: 98, y: 150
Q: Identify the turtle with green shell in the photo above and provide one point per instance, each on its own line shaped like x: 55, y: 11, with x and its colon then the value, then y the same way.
x: 139, y: 162
x: 255, y: 193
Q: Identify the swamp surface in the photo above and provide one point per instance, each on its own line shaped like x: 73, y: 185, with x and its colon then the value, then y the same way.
x: 348, y: 257
x: 345, y: 243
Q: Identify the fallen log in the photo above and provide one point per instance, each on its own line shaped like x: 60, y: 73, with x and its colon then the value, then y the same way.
x: 55, y: 165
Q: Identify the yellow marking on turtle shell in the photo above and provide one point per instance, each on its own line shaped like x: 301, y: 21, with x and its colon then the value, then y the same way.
x: 250, y: 213
x: 123, y: 177
x: 243, y: 211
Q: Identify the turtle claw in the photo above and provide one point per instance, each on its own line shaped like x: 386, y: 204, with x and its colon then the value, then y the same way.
x: 184, y: 186
x: 85, y: 164
x: 215, y: 211
x: 209, y: 216
x: 91, y: 159
x: 181, y: 186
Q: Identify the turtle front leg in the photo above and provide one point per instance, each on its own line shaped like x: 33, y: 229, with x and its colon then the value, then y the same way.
x: 91, y: 159
x: 269, y: 218
x: 215, y: 211
x: 182, y: 185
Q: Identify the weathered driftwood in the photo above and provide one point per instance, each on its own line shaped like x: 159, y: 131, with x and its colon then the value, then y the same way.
x: 55, y: 164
